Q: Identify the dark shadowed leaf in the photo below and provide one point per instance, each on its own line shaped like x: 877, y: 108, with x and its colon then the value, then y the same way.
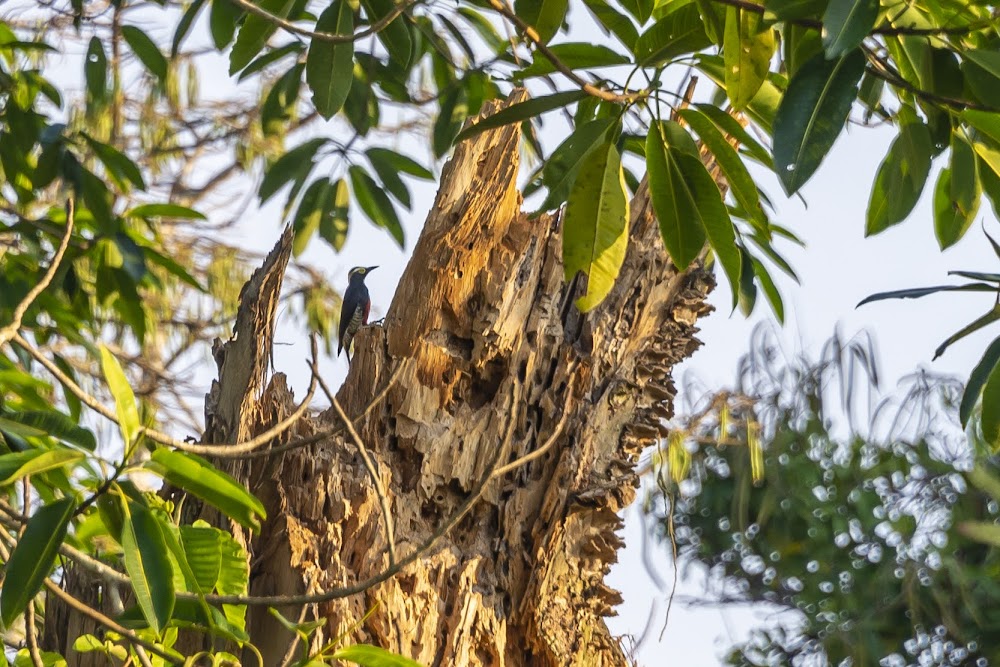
x: 951, y: 220
x: 330, y: 66
x: 375, y: 203
x: 678, y: 33
x: 990, y: 317
x: 255, y: 32
x: 95, y: 70
x: 522, y: 111
x: 614, y: 21
x: 977, y: 380
x: 682, y: 234
x: 184, y: 25
x: 918, y: 292
x: 333, y: 225
x: 57, y: 425
x: 223, y: 19
x: 812, y: 114
x: 595, y: 228
x: 294, y: 164
x: 400, y: 162
x: 33, y: 557
x: 395, y: 37
x: 545, y: 16
x: 846, y: 23
x: 900, y: 179
x: 147, y: 51
x: 991, y: 409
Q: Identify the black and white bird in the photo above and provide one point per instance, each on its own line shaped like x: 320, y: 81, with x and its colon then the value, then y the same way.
x: 354, y: 311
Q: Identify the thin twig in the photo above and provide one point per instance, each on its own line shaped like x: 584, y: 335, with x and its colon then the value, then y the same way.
x: 9, y: 331
x: 162, y: 438
x: 383, y: 499
x: 330, y: 37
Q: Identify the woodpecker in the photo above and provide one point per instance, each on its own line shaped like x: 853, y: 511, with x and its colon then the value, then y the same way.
x: 354, y: 311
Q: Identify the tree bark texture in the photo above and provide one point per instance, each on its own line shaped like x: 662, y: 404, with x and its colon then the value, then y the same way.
x: 483, y: 361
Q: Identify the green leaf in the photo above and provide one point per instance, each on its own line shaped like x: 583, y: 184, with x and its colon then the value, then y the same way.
x: 677, y: 214
x: 125, y: 408
x: 916, y: 293
x: 747, y: 51
x: 119, y: 165
x: 575, y: 55
x: 255, y: 32
x: 395, y: 37
x: 987, y: 122
x: 146, y: 50
x: 164, y: 211
x: 271, y: 57
x: 812, y: 114
x: 977, y: 379
x: 951, y: 221
x: 741, y: 183
x: 522, y: 111
x: 900, y: 178
x: 764, y: 105
x: 309, y: 214
x: 95, y: 70
x: 729, y: 125
x: 846, y: 23
x: 375, y: 203
x: 33, y: 557
x: 991, y: 410
x: 399, y: 162
x: 329, y: 66
x: 990, y: 317
x: 296, y: 163
x: 678, y: 33
x: 620, y: 25
x: 770, y: 289
x: 699, y: 188
x: 373, y: 656
x: 197, y: 476
x: 965, y: 187
x: 34, y: 462
x: 640, y: 10
x: 184, y: 25
x: 747, y: 297
x: 987, y: 59
x: 279, y: 105
x: 451, y: 114
x: 203, y: 553
x: 333, y: 224
x: 545, y: 16
x: 389, y: 175
x: 223, y: 19
x: 560, y: 170
x: 57, y: 425
x: 595, y: 227
x: 791, y: 10
x: 147, y: 564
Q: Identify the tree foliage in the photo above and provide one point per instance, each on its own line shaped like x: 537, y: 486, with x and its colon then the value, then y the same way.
x: 114, y: 176
x: 868, y: 527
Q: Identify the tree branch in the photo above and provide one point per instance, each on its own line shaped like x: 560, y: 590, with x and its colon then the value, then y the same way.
x: 288, y: 26
x: 10, y: 331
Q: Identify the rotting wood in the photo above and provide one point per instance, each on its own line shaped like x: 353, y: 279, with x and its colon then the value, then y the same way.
x: 492, y: 350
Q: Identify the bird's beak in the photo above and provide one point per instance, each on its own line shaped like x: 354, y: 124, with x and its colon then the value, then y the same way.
x: 371, y: 268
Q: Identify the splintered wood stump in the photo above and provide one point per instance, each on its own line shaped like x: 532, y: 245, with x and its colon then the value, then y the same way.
x: 492, y: 361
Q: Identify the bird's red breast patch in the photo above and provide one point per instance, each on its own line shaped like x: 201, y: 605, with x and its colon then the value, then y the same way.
x: 364, y: 316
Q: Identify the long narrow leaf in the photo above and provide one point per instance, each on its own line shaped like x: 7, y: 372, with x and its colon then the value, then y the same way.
x: 121, y: 390
x: 145, y: 555
x: 522, y: 111
x: 918, y: 292
x: 977, y: 379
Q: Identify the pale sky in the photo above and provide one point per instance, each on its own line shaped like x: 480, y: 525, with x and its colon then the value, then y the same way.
x: 838, y: 268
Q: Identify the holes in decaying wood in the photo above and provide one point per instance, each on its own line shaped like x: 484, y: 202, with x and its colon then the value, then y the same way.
x: 522, y: 371
x: 486, y: 383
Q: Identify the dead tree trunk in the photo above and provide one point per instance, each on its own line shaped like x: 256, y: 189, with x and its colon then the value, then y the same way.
x: 486, y: 396
x: 491, y: 362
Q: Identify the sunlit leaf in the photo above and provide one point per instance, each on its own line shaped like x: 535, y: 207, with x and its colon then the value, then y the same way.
x: 595, y: 227
x: 121, y: 390
x: 147, y: 564
x: 747, y: 51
